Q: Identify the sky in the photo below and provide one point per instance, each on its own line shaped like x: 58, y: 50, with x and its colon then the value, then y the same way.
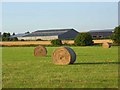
x: 20, y: 17
x: 119, y: 13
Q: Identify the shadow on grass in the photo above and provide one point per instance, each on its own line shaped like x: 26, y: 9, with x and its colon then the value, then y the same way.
x: 81, y: 63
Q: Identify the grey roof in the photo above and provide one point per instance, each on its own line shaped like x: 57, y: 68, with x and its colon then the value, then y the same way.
x: 106, y: 30
x: 19, y: 35
x: 52, y: 32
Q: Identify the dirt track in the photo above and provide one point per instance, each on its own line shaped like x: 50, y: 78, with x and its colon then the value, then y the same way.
x: 10, y: 43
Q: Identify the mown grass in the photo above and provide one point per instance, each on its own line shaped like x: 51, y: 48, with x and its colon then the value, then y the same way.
x: 95, y: 67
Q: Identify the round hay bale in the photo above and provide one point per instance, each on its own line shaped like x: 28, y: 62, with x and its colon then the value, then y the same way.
x: 63, y: 55
x: 106, y: 45
x: 40, y: 51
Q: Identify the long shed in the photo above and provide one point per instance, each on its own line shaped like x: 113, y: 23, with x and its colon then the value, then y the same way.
x: 101, y: 33
x: 48, y: 34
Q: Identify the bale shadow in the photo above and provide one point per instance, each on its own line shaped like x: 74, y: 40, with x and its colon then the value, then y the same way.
x: 84, y: 63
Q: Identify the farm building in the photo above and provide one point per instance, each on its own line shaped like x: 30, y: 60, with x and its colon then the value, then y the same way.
x: 101, y: 33
x: 48, y: 34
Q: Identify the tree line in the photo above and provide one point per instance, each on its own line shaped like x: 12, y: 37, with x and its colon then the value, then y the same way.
x: 7, y: 37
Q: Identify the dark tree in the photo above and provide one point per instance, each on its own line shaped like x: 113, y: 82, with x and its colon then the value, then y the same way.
x: 56, y: 42
x: 13, y: 34
x: 6, y: 36
x: 83, y: 39
x: 27, y: 32
x: 116, y: 35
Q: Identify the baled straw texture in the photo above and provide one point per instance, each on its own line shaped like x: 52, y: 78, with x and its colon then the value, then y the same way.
x: 40, y: 51
x: 106, y: 45
x: 63, y: 56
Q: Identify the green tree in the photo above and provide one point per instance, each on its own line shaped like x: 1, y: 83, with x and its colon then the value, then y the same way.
x: 116, y: 35
x: 27, y: 32
x: 6, y: 36
x: 13, y: 34
x: 83, y: 39
x: 56, y: 42
x: 13, y: 39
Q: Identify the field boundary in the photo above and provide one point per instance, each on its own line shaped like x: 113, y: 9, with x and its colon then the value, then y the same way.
x: 10, y: 43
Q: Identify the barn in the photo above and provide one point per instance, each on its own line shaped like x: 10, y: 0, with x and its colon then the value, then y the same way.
x: 101, y: 33
x: 48, y: 34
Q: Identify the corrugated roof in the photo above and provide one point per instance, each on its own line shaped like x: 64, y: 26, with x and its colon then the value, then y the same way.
x: 19, y: 35
x: 52, y: 32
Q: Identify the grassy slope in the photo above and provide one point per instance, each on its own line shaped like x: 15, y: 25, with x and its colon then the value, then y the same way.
x: 91, y: 69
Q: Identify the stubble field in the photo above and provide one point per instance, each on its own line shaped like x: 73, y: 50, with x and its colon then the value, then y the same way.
x: 10, y: 43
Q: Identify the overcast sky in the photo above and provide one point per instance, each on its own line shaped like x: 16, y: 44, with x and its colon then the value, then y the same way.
x: 20, y: 17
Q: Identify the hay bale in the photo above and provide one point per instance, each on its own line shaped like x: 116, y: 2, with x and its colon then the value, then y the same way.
x: 63, y: 56
x: 40, y: 51
x: 106, y: 45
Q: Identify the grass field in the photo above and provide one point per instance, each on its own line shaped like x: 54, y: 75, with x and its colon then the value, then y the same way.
x: 95, y: 67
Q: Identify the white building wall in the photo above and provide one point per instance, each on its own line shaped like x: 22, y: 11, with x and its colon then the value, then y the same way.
x: 38, y: 37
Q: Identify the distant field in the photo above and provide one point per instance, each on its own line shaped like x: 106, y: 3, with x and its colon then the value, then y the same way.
x: 46, y: 42
x: 95, y: 67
